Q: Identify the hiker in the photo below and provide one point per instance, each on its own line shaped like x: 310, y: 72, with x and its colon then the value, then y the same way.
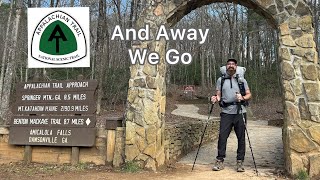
x: 232, y: 103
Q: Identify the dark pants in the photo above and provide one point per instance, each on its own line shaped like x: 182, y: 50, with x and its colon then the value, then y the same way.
x: 227, y: 122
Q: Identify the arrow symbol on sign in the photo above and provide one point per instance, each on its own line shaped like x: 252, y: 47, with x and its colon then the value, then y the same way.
x: 88, y: 121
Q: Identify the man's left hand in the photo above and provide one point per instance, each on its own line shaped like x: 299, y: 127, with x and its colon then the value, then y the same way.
x: 239, y: 97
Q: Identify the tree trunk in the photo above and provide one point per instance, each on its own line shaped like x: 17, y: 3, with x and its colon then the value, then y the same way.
x: 202, y: 60
x: 5, y: 50
x: 237, y: 52
x: 221, y: 54
x: 249, y: 29
x: 29, y: 3
x: 57, y: 3
x: 209, y: 71
x: 26, y: 75
x: 8, y: 79
x: 230, y: 19
x: 99, y: 51
x: 71, y: 3
x: 39, y: 3
x: 132, y: 12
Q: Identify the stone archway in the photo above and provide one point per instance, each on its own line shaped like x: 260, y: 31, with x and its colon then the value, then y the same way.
x: 300, y: 78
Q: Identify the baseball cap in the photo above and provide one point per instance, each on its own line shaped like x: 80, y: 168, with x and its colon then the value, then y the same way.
x: 232, y: 60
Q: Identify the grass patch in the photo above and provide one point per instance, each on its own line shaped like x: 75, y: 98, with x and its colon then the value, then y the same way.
x: 82, y: 166
x: 131, y: 167
x: 302, y: 175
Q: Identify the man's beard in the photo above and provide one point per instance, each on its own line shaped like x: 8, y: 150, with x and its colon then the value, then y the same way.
x: 231, y: 71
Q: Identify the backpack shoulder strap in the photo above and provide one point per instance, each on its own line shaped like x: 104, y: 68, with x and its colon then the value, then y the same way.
x: 242, y: 90
x: 241, y: 86
x: 237, y: 78
x: 223, y: 78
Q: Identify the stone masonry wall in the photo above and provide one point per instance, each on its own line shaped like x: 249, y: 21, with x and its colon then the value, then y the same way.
x: 97, y: 154
x: 182, y: 138
x: 9, y: 153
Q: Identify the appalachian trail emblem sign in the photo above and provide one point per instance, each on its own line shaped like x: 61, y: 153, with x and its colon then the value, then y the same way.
x: 58, y: 37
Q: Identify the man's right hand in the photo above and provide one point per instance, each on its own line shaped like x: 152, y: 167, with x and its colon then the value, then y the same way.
x: 214, y: 99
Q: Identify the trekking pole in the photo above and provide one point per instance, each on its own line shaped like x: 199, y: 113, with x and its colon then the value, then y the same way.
x: 205, y: 127
x: 245, y: 127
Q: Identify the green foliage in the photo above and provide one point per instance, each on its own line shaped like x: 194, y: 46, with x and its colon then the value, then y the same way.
x: 81, y: 166
x: 56, y: 74
x: 5, y: 7
x: 263, y: 83
x: 4, y: 11
x: 253, y: 18
x: 116, y: 84
x: 302, y: 175
x: 131, y: 166
x: 66, y: 73
x: 187, y: 74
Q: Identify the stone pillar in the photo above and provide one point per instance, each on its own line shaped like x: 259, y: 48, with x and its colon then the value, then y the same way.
x: 146, y: 100
x: 300, y: 77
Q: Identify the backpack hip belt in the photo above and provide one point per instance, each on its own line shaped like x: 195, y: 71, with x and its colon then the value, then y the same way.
x: 224, y: 104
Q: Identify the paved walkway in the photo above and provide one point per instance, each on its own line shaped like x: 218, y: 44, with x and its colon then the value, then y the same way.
x: 189, y: 110
x: 266, y: 144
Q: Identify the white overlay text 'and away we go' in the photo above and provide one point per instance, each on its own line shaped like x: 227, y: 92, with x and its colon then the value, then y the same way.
x: 172, y: 56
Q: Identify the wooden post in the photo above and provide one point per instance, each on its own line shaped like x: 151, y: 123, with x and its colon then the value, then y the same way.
x: 75, y: 151
x: 27, y: 158
x: 75, y: 155
x: 111, y: 140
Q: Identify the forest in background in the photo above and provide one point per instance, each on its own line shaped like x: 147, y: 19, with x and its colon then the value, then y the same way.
x: 235, y: 31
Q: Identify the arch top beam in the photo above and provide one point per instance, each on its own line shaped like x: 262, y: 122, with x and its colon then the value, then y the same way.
x: 274, y: 11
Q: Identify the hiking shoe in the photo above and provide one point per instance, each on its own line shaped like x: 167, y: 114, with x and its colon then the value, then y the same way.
x: 240, y: 167
x: 218, y: 166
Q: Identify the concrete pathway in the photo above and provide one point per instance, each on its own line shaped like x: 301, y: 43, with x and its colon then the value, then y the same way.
x: 191, y: 111
x: 266, y: 144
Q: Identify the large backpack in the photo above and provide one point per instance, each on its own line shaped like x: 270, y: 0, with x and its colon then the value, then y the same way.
x: 239, y: 77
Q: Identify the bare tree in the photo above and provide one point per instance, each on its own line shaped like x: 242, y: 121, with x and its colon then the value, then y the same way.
x: 71, y: 3
x: 8, y: 79
x: 5, y: 49
x: 99, y: 51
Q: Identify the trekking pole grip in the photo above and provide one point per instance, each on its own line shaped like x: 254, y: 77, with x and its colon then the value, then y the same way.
x: 212, y: 104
